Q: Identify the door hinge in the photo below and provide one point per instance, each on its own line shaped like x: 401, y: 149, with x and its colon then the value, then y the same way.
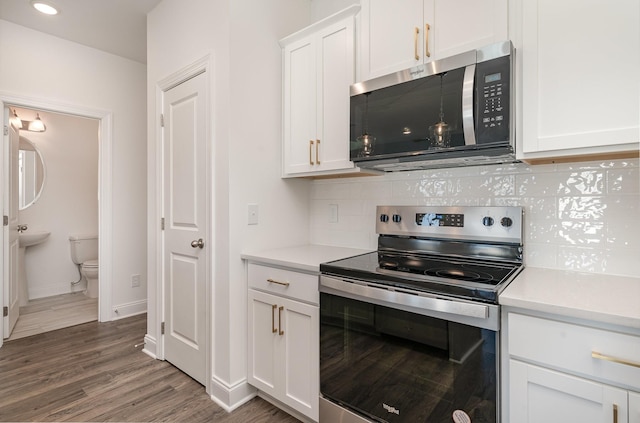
x: 162, y: 120
x: 5, y: 220
x: 162, y: 223
x: 6, y: 130
x: 5, y: 311
x: 162, y: 328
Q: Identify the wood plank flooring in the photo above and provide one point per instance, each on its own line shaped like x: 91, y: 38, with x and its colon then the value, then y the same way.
x: 57, y: 312
x: 92, y: 372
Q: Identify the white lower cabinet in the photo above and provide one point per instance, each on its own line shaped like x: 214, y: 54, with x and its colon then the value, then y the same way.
x: 566, y: 372
x: 540, y: 395
x: 284, y: 342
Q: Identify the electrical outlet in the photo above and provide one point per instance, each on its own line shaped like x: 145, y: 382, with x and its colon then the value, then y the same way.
x: 135, y: 281
x: 333, y: 213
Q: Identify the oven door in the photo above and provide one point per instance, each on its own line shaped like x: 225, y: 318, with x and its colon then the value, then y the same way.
x: 389, y: 357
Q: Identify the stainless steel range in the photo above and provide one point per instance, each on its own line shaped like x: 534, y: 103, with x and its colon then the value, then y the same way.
x: 410, y: 332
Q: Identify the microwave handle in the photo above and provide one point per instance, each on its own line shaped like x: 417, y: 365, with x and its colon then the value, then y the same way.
x: 468, y: 120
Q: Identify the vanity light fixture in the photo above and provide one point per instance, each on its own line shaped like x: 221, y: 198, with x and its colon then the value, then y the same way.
x: 16, y: 120
x: 44, y: 7
x: 36, y: 125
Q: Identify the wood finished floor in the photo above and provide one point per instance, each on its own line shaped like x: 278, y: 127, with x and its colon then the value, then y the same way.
x: 57, y: 312
x: 93, y: 373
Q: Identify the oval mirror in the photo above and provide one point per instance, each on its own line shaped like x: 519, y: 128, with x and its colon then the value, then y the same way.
x: 31, y: 173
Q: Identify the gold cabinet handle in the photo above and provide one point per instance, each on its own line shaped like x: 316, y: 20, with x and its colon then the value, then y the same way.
x: 427, y: 27
x: 273, y: 318
x: 615, y: 413
x: 599, y: 356
x: 280, y: 320
x: 310, y: 153
x: 277, y: 282
x: 416, y: 33
x: 317, y: 154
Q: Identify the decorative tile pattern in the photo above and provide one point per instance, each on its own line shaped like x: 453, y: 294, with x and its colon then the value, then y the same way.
x: 578, y: 216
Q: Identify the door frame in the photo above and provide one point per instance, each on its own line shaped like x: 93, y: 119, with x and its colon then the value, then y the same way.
x: 200, y: 66
x: 105, y: 188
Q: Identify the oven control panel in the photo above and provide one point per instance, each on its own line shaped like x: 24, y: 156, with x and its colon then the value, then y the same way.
x: 501, y: 224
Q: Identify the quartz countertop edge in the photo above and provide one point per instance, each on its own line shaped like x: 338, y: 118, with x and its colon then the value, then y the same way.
x: 302, y: 257
x: 591, y: 296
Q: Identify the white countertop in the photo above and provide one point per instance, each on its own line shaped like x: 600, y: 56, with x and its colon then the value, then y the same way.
x: 303, y: 257
x: 590, y: 296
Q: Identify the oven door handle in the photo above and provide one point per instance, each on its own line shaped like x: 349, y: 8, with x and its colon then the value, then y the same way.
x: 452, y: 307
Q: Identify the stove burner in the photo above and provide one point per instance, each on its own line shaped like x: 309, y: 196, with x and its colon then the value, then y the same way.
x: 460, y: 274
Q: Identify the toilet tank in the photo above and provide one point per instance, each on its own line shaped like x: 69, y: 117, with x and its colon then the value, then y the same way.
x: 83, y: 247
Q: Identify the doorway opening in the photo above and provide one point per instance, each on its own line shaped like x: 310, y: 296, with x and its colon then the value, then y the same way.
x: 92, y: 200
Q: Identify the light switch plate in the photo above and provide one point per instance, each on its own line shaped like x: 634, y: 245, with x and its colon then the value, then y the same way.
x: 252, y: 214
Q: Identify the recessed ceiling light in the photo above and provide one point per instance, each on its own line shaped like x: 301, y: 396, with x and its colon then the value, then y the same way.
x: 45, y: 8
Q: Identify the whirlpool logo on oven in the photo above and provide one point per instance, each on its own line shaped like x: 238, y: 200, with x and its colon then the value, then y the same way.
x: 390, y: 409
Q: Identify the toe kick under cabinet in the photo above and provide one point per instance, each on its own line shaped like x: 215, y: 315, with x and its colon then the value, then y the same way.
x: 284, y: 336
x: 562, y: 371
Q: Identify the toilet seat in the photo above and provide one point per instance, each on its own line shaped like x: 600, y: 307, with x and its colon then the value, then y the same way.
x: 90, y: 264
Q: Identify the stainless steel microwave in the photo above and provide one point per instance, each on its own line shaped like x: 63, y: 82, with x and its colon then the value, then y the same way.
x: 456, y: 111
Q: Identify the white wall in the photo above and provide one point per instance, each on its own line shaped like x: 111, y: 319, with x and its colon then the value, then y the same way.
x: 241, y: 37
x: 579, y: 216
x: 69, y: 200
x: 57, y: 71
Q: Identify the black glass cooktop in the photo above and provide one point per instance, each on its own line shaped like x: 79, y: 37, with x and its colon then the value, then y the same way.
x: 460, y: 277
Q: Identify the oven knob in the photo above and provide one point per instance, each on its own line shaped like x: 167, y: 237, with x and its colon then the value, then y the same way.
x: 384, y: 218
x: 397, y: 218
x: 506, y: 222
x: 487, y: 221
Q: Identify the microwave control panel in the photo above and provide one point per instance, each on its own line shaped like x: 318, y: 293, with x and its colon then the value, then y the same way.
x: 493, y: 93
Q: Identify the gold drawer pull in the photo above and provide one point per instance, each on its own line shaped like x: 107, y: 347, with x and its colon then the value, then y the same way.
x: 310, y: 152
x: 277, y: 282
x: 273, y: 318
x: 427, y: 27
x: 317, y: 153
x: 280, y: 320
x: 416, y: 32
x: 615, y: 413
x: 612, y: 359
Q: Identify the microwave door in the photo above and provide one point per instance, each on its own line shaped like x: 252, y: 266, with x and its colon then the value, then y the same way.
x: 468, y: 119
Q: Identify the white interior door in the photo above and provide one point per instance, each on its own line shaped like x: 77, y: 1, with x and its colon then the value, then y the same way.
x: 11, y: 246
x: 186, y: 249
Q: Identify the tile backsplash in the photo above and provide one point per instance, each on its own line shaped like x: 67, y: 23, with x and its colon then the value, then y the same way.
x: 578, y: 216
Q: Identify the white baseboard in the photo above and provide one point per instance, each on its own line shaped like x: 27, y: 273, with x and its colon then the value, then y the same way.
x: 121, y: 311
x: 150, y: 346
x: 230, y: 397
x: 56, y: 289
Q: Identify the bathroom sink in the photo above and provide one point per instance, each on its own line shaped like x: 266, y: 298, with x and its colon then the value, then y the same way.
x: 27, y: 239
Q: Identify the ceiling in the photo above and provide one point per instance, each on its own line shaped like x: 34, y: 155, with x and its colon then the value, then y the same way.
x: 115, y: 26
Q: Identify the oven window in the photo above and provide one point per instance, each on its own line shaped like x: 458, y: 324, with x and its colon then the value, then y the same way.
x: 394, y: 366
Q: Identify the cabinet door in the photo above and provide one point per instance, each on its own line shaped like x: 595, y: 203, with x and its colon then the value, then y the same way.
x: 392, y: 36
x: 336, y: 72
x: 634, y: 407
x: 580, y: 65
x: 263, y: 341
x: 458, y: 26
x: 299, y: 106
x: 539, y: 395
x: 301, y: 356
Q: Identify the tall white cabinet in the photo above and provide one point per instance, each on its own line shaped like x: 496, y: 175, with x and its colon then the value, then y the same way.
x: 579, y: 91
x: 397, y: 35
x: 319, y: 66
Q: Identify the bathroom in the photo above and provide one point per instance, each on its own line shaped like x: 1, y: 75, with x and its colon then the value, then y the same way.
x: 66, y: 205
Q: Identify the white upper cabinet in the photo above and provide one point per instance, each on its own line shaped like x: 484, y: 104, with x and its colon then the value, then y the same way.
x: 579, y: 63
x: 319, y: 67
x: 397, y: 35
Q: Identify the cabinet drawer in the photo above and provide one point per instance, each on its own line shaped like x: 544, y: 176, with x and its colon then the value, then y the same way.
x: 607, y: 356
x: 292, y: 284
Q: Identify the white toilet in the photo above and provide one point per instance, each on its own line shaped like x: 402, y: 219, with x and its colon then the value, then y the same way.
x: 84, y: 251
